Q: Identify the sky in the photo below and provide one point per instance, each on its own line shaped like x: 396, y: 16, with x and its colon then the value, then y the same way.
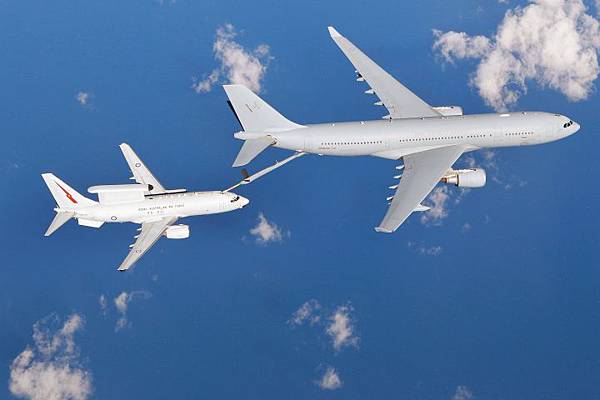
x: 493, y: 294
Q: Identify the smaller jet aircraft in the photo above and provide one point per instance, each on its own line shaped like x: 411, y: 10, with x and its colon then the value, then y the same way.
x: 147, y: 203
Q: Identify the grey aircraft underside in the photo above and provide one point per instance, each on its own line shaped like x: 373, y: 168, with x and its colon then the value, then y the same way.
x: 427, y: 139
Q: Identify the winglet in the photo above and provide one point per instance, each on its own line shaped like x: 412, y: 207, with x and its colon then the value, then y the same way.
x: 332, y: 32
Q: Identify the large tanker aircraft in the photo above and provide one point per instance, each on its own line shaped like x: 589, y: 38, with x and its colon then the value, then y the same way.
x: 427, y: 139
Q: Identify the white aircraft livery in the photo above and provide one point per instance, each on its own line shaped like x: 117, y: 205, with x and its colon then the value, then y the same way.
x: 147, y: 203
x: 428, y: 139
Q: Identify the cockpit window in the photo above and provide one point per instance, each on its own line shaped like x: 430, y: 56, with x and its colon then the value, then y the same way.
x: 236, y: 198
x: 568, y: 124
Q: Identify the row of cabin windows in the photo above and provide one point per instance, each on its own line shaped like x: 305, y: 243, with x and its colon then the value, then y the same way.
x: 344, y: 143
x: 406, y: 140
x: 443, y: 138
x: 518, y: 133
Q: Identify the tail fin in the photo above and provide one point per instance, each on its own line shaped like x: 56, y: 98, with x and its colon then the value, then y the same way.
x: 66, y: 197
x: 254, y: 113
x: 256, y: 117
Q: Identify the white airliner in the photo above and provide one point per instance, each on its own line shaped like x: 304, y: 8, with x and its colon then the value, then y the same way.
x: 427, y: 139
x: 147, y: 203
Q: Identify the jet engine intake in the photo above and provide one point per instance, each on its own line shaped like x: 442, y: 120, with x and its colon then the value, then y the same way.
x: 177, y: 232
x: 468, y: 178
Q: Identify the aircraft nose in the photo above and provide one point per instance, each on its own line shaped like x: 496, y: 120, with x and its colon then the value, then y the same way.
x: 576, y: 127
x: 244, y: 201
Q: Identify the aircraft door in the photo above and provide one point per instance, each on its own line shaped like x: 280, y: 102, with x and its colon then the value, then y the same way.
x: 308, y: 144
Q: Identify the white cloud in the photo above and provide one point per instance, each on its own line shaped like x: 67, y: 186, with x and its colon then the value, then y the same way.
x: 122, y: 304
x: 330, y: 380
x: 425, y: 250
x: 337, y: 324
x: 83, y: 98
x: 103, y: 303
x: 50, y: 369
x: 489, y: 161
x: 341, y: 328
x: 238, y: 65
x: 266, y: 231
x: 466, y: 227
x: 462, y: 393
x: 307, y: 312
x: 554, y: 43
x: 459, y: 45
x: 438, y: 211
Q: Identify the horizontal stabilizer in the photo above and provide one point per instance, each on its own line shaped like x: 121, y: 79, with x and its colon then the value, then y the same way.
x: 59, y: 220
x: 252, y: 148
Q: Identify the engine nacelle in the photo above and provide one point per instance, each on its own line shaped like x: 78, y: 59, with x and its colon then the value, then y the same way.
x: 177, y: 232
x: 449, y: 111
x: 468, y: 178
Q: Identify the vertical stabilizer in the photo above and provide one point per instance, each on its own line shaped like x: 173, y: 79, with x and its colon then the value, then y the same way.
x: 66, y: 197
x: 254, y: 114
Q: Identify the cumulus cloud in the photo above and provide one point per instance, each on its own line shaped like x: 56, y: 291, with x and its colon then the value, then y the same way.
x: 425, y: 250
x: 489, y: 161
x: 50, y: 369
x: 554, y: 43
x: 462, y: 393
x: 122, y: 304
x: 338, y: 324
x: 308, y: 311
x: 266, y: 231
x: 341, y: 328
x: 438, y: 211
x: 457, y: 45
x: 103, y: 303
x: 237, y: 64
x: 83, y: 98
x: 330, y: 380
